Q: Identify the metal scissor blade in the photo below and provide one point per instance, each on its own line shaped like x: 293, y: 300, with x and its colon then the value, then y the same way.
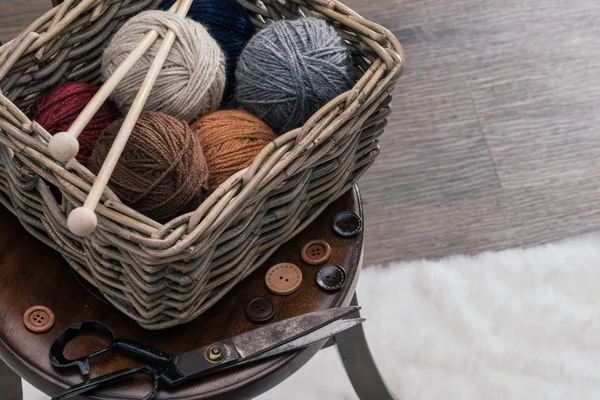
x: 261, y: 340
x: 304, y: 341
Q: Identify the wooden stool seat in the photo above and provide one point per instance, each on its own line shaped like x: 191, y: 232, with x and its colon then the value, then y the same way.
x: 33, y: 274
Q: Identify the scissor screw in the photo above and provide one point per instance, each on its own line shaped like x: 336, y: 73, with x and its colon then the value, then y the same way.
x: 215, y: 353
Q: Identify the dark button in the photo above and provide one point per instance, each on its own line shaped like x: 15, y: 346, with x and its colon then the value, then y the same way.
x: 38, y: 319
x: 316, y: 252
x: 331, y: 277
x: 260, y: 310
x: 347, y: 224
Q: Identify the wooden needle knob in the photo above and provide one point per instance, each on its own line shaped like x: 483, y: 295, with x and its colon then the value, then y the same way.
x: 63, y: 146
x: 82, y: 221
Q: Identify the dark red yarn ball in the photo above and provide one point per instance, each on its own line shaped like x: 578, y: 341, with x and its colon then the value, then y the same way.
x: 57, y: 109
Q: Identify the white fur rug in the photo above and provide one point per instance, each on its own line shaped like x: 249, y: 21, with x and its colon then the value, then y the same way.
x: 518, y: 324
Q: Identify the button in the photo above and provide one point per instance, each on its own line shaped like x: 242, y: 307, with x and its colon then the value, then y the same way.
x: 316, y: 252
x: 38, y: 319
x: 347, y: 224
x: 283, y: 278
x: 260, y: 310
x: 331, y: 277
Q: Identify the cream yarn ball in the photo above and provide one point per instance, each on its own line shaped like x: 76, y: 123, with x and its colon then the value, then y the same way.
x: 192, y: 79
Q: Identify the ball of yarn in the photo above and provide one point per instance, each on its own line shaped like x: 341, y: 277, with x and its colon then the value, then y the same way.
x: 192, y: 80
x: 162, y: 172
x: 291, y: 69
x: 229, y: 24
x: 231, y: 140
x: 57, y: 109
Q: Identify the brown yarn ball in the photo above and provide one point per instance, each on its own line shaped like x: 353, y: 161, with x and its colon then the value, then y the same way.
x: 162, y: 172
x: 231, y: 140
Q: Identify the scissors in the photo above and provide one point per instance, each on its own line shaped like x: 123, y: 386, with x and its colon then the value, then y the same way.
x: 258, y: 344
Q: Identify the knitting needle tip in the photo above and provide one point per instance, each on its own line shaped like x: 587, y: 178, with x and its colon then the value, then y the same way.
x: 63, y: 146
x: 82, y: 221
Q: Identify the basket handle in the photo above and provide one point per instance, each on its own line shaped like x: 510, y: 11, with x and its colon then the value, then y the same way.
x: 82, y: 221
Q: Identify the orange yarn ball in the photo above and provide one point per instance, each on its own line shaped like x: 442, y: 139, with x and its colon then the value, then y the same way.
x: 231, y: 140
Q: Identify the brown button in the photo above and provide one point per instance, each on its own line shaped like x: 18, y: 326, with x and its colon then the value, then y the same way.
x: 38, y: 319
x: 260, y: 310
x: 347, y: 224
x: 331, y: 277
x: 316, y: 252
x: 283, y: 278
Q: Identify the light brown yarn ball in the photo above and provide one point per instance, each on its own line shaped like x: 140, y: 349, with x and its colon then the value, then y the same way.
x: 192, y: 80
x: 162, y: 172
x: 231, y: 140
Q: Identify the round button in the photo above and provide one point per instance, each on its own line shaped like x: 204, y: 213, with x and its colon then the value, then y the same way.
x: 283, y: 278
x: 347, y: 224
x: 38, y: 319
x: 260, y: 310
x: 331, y: 277
x: 316, y: 252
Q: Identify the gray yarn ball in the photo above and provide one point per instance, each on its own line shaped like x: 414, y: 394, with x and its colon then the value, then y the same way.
x: 192, y: 80
x: 291, y: 69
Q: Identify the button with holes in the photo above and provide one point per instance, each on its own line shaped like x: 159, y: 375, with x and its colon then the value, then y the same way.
x: 316, y: 252
x: 283, y: 278
x: 260, y: 310
x: 38, y: 319
x: 331, y: 277
x: 347, y: 224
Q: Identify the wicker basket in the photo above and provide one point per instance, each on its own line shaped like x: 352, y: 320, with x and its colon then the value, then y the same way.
x: 164, y: 275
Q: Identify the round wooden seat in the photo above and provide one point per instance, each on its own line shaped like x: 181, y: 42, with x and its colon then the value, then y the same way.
x: 33, y: 274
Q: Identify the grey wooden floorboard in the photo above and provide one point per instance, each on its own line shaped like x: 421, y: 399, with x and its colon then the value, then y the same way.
x: 493, y: 140
x: 16, y: 15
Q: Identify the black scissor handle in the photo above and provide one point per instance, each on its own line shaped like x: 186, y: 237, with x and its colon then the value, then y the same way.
x: 141, y: 352
x: 57, y: 356
x: 109, y: 379
x: 155, y: 357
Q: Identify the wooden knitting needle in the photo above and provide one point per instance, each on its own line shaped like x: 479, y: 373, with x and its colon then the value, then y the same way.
x: 82, y: 221
x: 64, y: 145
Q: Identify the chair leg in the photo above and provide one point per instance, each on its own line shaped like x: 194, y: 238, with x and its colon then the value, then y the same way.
x: 10, y: 384
x: 361, y: 369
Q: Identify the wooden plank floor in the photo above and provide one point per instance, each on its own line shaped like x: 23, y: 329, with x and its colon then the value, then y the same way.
x: 16, y: 15
x: 493, y: 141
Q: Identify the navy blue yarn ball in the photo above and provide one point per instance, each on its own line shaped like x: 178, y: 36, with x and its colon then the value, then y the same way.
x: 229, y: 24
